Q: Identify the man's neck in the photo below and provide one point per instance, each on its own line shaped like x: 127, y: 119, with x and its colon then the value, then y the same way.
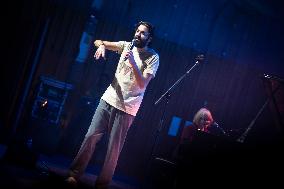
x: 142, y: 49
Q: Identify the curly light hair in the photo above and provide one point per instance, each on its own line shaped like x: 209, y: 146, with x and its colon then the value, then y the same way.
x: 203, y: 119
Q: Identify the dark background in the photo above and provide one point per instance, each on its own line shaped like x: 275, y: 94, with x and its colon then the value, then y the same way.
x: 241, y: 39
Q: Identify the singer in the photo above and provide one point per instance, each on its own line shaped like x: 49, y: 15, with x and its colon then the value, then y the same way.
x: 120, y: 102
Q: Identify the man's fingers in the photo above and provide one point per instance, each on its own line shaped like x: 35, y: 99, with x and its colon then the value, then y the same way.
x: 97, y: 55
x: 103, y: 54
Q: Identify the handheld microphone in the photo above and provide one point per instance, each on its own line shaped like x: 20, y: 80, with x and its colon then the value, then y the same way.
x: 130, y: 47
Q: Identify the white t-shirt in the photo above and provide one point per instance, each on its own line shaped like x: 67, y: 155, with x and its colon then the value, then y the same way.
x: 124, y: 92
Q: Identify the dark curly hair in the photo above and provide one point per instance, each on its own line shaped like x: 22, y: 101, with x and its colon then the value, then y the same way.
x: 150, y: 27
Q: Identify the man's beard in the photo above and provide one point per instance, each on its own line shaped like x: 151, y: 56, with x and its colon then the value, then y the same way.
x: 139, y: 43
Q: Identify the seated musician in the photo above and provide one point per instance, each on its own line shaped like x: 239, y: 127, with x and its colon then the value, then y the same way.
x: 194, y: 157
x: 202, y: 121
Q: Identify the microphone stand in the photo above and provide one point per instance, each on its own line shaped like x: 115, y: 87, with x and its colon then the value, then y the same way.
x: 221, y: 129
x: 167, y: 96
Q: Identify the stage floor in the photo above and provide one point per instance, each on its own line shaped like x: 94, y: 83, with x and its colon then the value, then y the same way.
x: 50, y: 172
